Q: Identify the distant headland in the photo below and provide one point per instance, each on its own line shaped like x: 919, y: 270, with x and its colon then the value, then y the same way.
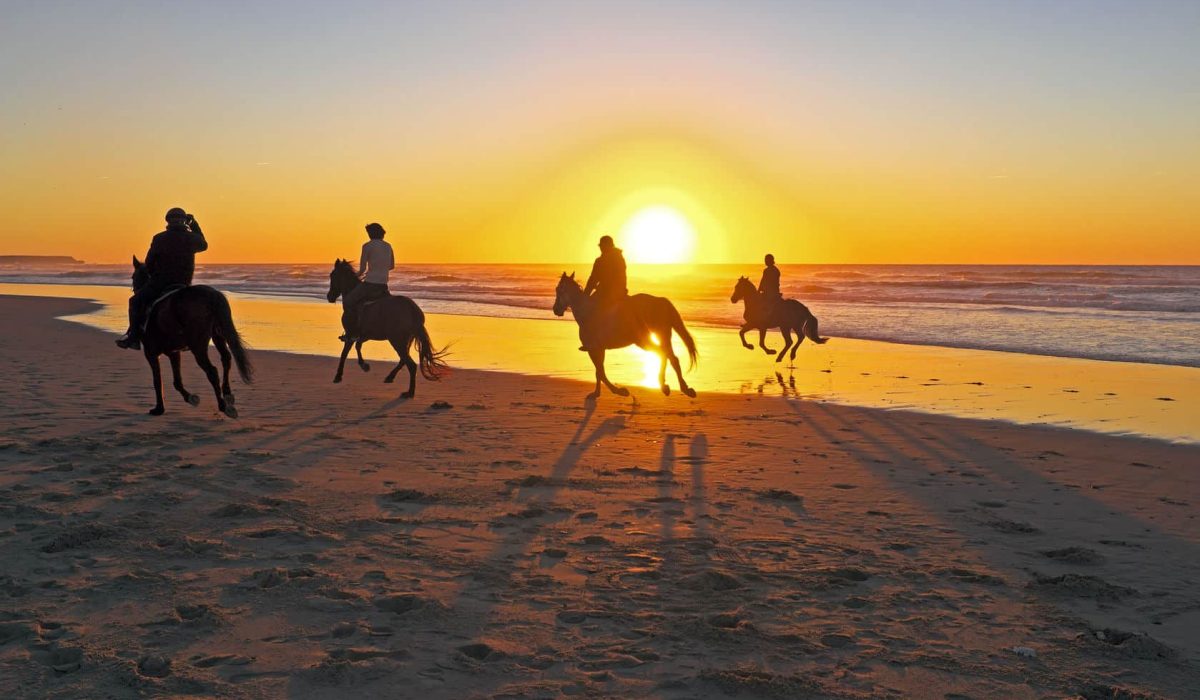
x: 39, y: 260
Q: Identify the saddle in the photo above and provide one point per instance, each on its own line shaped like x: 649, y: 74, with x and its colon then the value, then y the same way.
x: 772, y: 306
x: 161, y: 297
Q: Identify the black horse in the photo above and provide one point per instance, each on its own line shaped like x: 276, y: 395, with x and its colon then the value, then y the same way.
x: 188, y: 319
x: 790, y: 316
x: 394, y: 318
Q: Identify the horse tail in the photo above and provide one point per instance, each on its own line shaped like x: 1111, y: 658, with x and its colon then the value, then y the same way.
x: 432, y: 362
x: 229, y: 332
x: 688, y: 341
x: 810, y: 329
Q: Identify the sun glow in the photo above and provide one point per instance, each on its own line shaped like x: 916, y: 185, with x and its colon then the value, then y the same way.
x: 651, y: 361
x: 657, y: 234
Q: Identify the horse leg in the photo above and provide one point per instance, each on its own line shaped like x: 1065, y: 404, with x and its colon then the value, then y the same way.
x: 401, y: 351
x: 226, y: 361
x: 597, y: 356
x: 683, y: 385
x: 762, y: 341
x: 156, y: 372
x: 193, y: 399
x: 337, y: 378
x: 742, y: 334
x: 361, y: 364
x: 663, y: 347
x: 200, y: 352
x: 787, y: 342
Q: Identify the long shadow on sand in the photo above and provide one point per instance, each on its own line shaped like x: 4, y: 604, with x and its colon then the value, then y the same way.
x: 968, y: 506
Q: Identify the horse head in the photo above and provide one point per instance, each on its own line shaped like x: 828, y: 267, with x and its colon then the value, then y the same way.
x: 342, y: 278
x: 140, y: 275
x: 742, y: 290
x: 566, y: 294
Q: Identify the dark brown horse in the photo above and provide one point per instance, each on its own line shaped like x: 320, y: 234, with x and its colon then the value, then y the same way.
x: 789, y: 316
x: 189, y: 319
x: 394, y: 318
x: 656, y: 318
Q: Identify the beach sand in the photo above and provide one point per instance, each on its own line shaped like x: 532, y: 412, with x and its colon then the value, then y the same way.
x: 499, y: 537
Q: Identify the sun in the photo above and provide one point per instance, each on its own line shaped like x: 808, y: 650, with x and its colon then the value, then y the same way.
x: 657, y: 234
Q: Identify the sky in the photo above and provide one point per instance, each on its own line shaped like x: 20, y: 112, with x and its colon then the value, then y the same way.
x: 823, y: 132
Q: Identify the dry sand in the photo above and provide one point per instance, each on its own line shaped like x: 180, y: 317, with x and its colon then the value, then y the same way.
x: 514, y: 541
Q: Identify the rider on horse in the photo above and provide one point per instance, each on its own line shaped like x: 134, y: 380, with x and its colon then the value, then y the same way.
x: 768, y: 288
x: 171, y: 262
x: 377, y: 259
x: 607, y: 285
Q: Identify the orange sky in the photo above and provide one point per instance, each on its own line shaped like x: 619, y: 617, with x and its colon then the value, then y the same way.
x: 970, y: 134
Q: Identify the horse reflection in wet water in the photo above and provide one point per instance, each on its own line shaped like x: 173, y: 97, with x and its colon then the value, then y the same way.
x: 656, y: 318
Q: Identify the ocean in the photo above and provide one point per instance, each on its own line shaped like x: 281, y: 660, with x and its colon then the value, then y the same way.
x: 1147, y: 314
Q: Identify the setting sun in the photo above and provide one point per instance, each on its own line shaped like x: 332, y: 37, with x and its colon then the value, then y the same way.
x: 657, y: 234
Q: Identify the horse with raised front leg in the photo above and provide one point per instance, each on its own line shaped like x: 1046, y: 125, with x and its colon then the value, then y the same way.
x: 394, y: 318
x: 790, y: 317
x: 657, y: 318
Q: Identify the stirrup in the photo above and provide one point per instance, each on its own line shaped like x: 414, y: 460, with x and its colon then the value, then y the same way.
x: 347, y: 338
x: 127, y: 343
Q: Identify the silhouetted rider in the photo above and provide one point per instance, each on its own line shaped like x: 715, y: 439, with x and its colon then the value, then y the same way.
x: 607, y: 285
x: 373, y: 267
x: 768, y: 286
x: 171, y: 261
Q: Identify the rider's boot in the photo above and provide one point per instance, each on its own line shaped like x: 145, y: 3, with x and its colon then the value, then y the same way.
x: 129, y: 341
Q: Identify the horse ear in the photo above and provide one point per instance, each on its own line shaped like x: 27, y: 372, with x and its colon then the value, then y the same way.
x: 136, y: 263
x: 572, y: 274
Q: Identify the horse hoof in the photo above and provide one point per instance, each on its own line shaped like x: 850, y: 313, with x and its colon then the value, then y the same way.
x: 621, y: 391
x: 593, y: 396
x: 337, y: 379
x: 408, y: 394
x: 691, y: 393
x: 389, y: 380
x: 748, y: 347
x: 230, y: 411
x: 666, y: 390
x: 193, y: 399
x: 365, y: 367
x: 157, y: 411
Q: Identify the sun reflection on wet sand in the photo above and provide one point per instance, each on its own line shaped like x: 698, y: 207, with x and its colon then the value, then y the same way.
x: 1114, y: 397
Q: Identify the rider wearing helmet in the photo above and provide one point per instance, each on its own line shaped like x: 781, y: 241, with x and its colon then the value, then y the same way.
x: 170, y: 262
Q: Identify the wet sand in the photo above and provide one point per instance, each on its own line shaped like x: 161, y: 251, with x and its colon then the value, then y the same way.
x: 1111, y: 397
x: 499, y: 537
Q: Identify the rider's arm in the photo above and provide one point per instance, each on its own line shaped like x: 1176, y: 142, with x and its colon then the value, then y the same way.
x: 362, y: 262
x: 151, y: 256
x: 199, y: 243
x: 391, y: 258
x: 593, y: 279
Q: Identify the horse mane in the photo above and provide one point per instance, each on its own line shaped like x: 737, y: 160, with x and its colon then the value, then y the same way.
x: 345, y: 263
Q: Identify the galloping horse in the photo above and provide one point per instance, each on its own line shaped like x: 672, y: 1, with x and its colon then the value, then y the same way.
x: 790, y: 315
x: 188, y: 319
x: 394, y: 318
x: 657, y: 317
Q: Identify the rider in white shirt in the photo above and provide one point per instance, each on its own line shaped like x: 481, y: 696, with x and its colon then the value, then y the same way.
x: 377, y: 260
